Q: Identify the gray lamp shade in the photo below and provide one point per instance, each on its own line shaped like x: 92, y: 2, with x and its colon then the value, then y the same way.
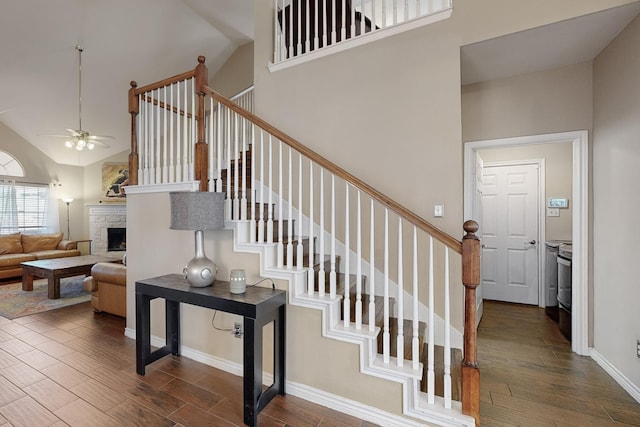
x: 200, y: 210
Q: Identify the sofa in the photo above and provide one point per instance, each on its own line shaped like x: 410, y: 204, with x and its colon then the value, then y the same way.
x: 108, y: 284
x: 16, y: 248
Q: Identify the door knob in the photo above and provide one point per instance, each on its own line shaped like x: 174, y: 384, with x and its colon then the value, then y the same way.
x: 533, y: 242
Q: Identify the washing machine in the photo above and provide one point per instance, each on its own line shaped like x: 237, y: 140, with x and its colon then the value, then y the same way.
x: 565, y: 256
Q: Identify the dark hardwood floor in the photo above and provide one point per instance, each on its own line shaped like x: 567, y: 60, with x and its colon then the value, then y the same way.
x: 73, y: 367
x: 529, y: 376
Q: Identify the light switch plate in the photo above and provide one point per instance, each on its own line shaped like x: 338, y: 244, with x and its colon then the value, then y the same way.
x: 438, y: 211
x: 553, y: 212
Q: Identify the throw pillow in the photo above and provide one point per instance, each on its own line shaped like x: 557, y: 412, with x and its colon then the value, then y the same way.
x: 40, y: 242
x: 10, y: 244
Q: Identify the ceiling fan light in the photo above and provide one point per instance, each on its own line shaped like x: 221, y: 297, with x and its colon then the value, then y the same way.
x: 90, y: 145
x: 68, y: 144
x: 81, y: 143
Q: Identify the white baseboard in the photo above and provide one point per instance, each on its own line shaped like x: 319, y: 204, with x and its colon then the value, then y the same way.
x: 618, y: 376
x: 320, y: 397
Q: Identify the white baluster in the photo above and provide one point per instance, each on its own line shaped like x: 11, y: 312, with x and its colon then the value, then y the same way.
x: 362, y: 17
x: 321, y: 273
x: 172, y: 146
x: 299, y: 45
x: 406, y: 10
x: 261, y: 222
x: 276, y: 41
x: 353, y: 21
x: 372, y: 271
x: 373, y: 15
x: 333, y: 21
x: 324, y: 22
x: 270, y: 204
x: 211, y: 145
x: 280, y: 210
x: 158, y: 139
x: 311, y: 272
x: 185, y: 137
x: 384, y: 14
x: 152, y: 143
x: 307, y: 41
x: 347, y: 269
x: 447, y: 333
x: 142, y: 123
x: 194, y: 134
x: 252, y: 186
x: 290, y: 47
x: 343, y: 28
x: 290, y: 240
x: 316, y: 26
x: 178, y: 137
x: 300, y: 251
x: 358, y: 306
x: 415, y: 342
x: 243, y: 200
x: 395, y: 12
x: 219, y: 150
x: 333, y: 276
x: 400, y: 310
x: 165, y: 168
x: 386, y: 337
x: 229, y: 205
x: 431, y: 337
x: 145, y: 151
x: 236, y: 169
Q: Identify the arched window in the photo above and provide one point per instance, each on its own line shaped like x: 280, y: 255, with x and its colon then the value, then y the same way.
x: 9, y: 165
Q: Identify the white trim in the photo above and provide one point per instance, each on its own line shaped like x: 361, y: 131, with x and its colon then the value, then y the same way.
x: 618, y: 376
x: 580, y: 230
x: 160, y: 188
x: 364, y: 39
x: 541, y: 237
x: 320, y: 397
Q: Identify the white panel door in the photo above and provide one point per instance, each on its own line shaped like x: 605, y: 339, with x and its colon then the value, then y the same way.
x: 510, y: 233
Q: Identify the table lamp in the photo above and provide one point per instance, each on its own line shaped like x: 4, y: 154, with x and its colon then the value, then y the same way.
x: 198, y: 211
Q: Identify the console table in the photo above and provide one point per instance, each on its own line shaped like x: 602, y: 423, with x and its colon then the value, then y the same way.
x: 258, y: 306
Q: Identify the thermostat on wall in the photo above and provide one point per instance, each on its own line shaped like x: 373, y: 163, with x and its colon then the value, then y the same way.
x: 558, y: 203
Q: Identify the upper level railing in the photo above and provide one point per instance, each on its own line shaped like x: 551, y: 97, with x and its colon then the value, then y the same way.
x: 304, y: 26
x: 375, y: 249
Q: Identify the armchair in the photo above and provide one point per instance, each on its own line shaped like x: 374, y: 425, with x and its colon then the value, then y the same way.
x: 108, y: 282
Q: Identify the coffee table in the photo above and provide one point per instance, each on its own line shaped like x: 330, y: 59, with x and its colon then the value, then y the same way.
x: 55, y: 269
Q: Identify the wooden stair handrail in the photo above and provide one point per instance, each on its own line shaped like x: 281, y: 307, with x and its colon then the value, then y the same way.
x: 415, y: 219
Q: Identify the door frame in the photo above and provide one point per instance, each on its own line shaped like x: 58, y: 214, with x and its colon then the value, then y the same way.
x: 580, y: 219
x: 541, y: 237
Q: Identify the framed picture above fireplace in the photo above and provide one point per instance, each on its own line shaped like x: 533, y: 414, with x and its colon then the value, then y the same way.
x: 115, y: 176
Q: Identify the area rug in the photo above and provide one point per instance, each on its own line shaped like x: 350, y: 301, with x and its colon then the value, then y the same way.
x: 14, y: 302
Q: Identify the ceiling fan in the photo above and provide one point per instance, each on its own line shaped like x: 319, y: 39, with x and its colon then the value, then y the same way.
x: 79, y: 138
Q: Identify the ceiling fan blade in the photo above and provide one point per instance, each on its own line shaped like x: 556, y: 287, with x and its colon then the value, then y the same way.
x: 56, y: 136
x: 99, y: 143
x: 73, y: 132
x: 99, y: 137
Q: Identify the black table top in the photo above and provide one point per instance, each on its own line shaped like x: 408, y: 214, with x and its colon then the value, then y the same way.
x: 176, y: 288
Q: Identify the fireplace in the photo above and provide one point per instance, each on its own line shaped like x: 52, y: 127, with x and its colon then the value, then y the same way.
x: 117, y: 239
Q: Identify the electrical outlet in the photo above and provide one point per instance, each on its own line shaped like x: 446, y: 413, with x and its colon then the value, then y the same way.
x: 237, y: 329
x: 638, y: 348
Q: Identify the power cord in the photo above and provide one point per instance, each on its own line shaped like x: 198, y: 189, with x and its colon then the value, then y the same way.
x: 213, y: 318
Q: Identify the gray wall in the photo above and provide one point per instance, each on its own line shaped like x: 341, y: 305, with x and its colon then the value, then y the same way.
x: 616, y: 153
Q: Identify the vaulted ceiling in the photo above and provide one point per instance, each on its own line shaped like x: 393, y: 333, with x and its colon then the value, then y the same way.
x: 123, y: 40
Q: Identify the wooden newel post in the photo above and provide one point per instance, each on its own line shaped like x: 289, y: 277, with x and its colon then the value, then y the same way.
x: 201, y: 148
x: 134, y: 108
x: 470, y: 280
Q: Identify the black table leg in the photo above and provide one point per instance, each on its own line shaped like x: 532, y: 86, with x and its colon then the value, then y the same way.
x: 143, y: 332
x: 252, y: 386
x: 173, y: 326
x: 279, y: 350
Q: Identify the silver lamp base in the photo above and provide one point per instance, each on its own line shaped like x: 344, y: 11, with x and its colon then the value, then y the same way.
x: 200, y: 272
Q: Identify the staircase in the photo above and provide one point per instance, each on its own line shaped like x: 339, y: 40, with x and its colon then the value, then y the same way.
x: 371, y: 266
